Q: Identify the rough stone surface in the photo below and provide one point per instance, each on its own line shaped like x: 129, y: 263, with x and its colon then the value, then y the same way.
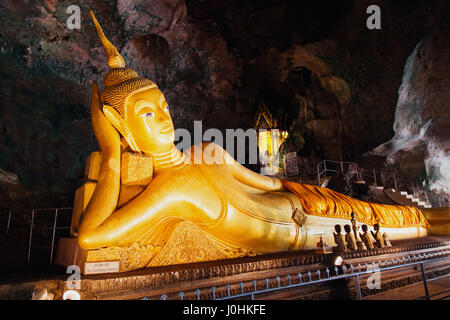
x: 314, y: 64
x: 420, y: 146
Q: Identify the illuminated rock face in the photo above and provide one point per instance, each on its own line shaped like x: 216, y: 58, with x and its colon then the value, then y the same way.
x: 422, y: 117
x: 45, y: 70
x: 205, y: 59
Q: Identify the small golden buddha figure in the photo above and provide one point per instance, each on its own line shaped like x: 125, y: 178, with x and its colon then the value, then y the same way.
x: 350, y: 238
x: 339, y: 239
x: 320, y: 243
x: 148, y: 201
x: 365, y: 237
x: 377, y: 236
x: 360, y: 245
x: 386, y: 241
x: 320, y: 246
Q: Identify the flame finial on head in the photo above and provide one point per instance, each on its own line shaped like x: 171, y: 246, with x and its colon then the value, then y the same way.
x: 120, y: 82
x: 115, y: 60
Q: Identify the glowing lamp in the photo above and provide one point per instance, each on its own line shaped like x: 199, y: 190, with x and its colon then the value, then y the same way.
x: 338, y: 261
x: 71, y: 295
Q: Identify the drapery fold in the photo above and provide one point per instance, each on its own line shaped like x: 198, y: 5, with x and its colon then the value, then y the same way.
x: 325, y: 202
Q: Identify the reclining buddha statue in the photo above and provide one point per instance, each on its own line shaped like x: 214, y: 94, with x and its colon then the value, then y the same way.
x: 149, y: 204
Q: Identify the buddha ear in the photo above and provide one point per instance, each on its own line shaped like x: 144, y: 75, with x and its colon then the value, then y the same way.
x: 114, y: 117
x: 118, y: 122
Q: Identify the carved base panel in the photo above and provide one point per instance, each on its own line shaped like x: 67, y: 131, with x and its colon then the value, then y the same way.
x: 187, y: 244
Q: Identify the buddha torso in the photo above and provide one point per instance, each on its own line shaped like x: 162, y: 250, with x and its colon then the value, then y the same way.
x: 379, y: 239
x: 351, y: 242
x: 339, y: 239
x: 365, y: 237
x: 210, y: 196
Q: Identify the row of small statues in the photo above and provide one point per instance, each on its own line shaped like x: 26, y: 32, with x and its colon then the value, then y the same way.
x: 357, y: 241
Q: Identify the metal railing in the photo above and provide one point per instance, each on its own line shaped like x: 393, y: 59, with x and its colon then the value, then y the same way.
x: 388, y: 178
x: 335, y: 167
x: 28, y: 226
x: 433, y: 199
x: 323, y: 276
x: 385, y: 177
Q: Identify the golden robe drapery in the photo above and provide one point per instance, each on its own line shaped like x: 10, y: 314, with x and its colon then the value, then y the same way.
x: 325, y: 202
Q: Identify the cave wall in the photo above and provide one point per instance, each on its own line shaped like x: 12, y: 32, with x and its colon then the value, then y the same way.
x: 214, y: 60
x: 420, y: 147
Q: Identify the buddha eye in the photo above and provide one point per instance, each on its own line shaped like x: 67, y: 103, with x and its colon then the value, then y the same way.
x: 149, y: 114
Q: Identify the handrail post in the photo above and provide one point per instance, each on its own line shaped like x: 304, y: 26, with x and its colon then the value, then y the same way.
x: 31, y: 236
x: 9, y: 221
x: 53, y: 235
x: 425, y: 282
x: 375, y: 176
x: 318, y: 173
x: 213, y: 290
x: 395, y: 181
x: 358, y: 288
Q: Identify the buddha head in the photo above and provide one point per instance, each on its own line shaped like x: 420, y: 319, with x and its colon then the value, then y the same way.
x: 134, y: 106
x: 347, y: 228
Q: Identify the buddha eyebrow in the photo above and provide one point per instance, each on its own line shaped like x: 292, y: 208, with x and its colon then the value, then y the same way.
x: 161, y: 98
x: 142, y: 104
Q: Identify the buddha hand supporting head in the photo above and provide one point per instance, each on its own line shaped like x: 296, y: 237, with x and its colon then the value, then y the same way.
x: 134, y: 106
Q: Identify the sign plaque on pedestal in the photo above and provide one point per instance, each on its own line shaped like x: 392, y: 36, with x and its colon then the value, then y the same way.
x: 101, y: 267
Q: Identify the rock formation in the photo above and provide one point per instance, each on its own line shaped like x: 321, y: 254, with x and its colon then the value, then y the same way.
x: 421, y: 144
x: 315, y: 64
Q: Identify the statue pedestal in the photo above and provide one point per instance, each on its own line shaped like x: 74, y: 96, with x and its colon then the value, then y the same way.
x: 69, y: 253
x: 186, y: 244
x: 99, y: 261
x: 360, y: 245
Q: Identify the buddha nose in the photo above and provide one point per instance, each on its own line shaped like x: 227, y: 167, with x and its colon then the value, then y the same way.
x: 164, y: 118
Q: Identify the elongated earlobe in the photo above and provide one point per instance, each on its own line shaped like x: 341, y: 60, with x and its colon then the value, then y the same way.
x: 117, y: 121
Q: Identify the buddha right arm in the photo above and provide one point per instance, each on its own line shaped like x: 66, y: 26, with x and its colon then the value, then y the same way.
x: 247, y: 176
x: 104, y: 199
x: 254, y: 179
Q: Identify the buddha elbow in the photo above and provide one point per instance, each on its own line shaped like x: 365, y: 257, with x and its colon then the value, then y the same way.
x: 95, y: 239
x: 87, y: 241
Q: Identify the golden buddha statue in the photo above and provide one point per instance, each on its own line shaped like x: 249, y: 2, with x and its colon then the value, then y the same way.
x: 365, y: 237
x: 339, y: 239
x: 148, y: 203
x: 350, y: 238
x: 377, y: 236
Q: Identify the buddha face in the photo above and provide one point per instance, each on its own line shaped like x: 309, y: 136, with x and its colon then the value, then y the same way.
x: 149, y: 121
